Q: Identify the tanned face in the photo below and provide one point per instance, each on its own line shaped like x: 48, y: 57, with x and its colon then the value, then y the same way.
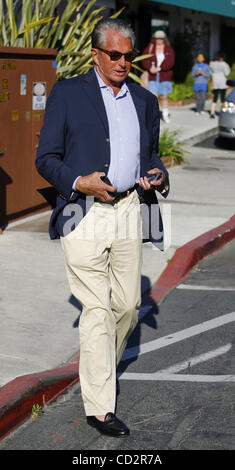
x: 113, y: 72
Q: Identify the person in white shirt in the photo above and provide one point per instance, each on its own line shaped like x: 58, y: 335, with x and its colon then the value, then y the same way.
x: 219, y: 71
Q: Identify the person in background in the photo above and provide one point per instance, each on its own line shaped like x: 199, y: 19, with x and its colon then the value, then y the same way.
x: 160, y: 69
x: 219, y: 70
x: 200, y: 73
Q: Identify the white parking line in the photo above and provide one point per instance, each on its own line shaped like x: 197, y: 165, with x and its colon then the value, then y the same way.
x: 198, y: 287
x: 192, y: 361
x: 13, y: 357
x: 171, y: 373
x: 198, y: 378
x: 178, y: 336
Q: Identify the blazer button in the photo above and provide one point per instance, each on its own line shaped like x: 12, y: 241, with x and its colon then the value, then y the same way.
x: 107, y: 139
x: 106, y: 165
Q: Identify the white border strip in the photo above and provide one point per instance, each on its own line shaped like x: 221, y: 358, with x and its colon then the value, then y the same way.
x: 198, y: 287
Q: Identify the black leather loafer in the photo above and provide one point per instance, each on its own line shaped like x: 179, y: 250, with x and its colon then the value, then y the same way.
x: 111, y: 426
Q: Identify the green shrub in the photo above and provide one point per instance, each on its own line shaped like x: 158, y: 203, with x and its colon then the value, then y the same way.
x: 181, y: 91
x: 232, y: 73
x: 170, y: 146
x: 189, y: 79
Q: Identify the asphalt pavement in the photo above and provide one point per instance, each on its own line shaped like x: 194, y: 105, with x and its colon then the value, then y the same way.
x: 39, y: 317
x: 174, y: 396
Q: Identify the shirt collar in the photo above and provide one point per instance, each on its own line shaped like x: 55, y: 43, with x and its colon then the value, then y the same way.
x: 123, y: 89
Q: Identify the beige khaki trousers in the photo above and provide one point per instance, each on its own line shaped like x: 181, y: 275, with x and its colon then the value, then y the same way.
x: 103, y: 261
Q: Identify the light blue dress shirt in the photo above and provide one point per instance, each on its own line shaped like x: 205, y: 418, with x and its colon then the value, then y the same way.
x: 124, y: 136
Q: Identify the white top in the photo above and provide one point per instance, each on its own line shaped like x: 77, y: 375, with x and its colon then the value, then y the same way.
x: 219, y: 71
x: 160, y: 58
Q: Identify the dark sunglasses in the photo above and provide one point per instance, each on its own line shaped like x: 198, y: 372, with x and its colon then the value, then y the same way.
x: 115, y: 55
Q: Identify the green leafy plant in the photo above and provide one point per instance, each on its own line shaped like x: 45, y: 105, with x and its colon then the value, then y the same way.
x: 36, y: 411
x: 170, y: 146
x: 36, y: 24
x: 181, y: 91
x: 232, y: 72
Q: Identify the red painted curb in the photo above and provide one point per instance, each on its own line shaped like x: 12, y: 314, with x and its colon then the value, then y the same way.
x: 18, y: 396
x: 189, y: 255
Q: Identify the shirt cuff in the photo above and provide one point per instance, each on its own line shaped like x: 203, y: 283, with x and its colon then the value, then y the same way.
x: 74, y: 183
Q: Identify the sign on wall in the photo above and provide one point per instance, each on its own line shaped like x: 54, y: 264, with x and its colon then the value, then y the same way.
x: 39, y: 96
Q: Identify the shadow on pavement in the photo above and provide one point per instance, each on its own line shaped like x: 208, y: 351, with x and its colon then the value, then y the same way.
x: 223, y: 143
x: 148, y: 319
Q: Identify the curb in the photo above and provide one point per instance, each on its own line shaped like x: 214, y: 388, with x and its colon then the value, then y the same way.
x: 18, y: 396
x: 187, y: 256
x: 200, y: 137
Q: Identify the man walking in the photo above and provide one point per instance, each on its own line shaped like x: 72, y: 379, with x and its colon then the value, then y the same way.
x: 99, y: 126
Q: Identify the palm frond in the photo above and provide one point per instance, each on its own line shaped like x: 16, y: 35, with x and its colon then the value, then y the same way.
x: 35, y: 23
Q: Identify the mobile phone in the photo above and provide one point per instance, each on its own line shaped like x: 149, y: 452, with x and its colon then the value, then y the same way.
x: 157, y: 177
x: 106, y: 180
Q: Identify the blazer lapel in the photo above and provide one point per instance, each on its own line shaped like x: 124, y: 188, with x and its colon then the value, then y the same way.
x: 92, y: 89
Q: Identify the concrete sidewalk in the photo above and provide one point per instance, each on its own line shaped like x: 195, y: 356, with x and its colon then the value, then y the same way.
x: 192, y: 128
x: 39, y: 317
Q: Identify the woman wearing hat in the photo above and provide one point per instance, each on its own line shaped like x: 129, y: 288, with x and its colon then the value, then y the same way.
x: 160, y: 69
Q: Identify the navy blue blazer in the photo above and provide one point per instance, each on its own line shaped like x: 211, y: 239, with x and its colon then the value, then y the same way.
x: 74, y: 140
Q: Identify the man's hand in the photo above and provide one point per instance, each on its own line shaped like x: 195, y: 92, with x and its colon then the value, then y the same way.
x: 154, y: 185
x: 92, y: 185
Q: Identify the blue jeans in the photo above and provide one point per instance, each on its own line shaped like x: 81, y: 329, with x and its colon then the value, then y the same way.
x: 200, y: 100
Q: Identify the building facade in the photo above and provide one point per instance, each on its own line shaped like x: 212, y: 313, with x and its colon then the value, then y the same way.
x: 211, y: 23
x: 192, y: 26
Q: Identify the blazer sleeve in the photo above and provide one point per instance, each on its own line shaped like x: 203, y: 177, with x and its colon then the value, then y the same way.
x: 51, y: 150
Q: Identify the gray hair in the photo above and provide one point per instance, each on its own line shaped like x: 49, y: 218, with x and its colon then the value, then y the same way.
x: 115, y: 24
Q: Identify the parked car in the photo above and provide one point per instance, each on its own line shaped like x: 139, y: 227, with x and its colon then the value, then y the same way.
x: 227, y: 115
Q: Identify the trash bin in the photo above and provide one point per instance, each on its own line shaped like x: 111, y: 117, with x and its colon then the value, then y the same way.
x: 26, y: 78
